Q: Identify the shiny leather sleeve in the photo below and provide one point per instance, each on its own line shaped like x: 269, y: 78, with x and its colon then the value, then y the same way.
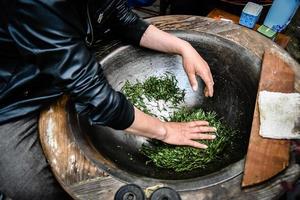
x: 126, y: 24
x: 50, y: 35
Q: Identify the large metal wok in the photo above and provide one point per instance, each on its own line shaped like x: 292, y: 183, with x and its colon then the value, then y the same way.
x: 236, y: 73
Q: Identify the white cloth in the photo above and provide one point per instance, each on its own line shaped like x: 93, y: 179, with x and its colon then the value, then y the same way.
x: 279, y: 115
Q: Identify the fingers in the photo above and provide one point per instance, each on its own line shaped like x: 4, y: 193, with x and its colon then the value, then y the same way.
x: 202, y: 129
x: 208, y: 80
x: 184, y: 133
x: 200, y: 126
x: 197, y: 123
x: 194, y: 65
x: 193, y: 81
x: 197, y: 136
x: 206, y: 76
x: 196, y: 144
x: 210, y: 88
x: 206, y: 92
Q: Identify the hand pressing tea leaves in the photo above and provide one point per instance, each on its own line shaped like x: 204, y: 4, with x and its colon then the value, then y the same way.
x: 181, y: 158
x: 161, y: 97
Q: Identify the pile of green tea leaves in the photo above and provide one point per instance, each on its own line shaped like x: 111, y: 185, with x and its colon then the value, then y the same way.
x: 182, y: 158
x: 178, y: 158
x: 154, y: 89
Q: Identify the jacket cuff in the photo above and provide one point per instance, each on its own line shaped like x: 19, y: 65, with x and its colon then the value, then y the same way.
x: 135, y: 31
x: 125, y: 117
x: 119, y: 115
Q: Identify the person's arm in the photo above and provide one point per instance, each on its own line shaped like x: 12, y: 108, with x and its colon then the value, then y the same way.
x: 50, y: 36
x: 136, y: 31
x: 176, y: 133
x: 128, y: 26
x: 193, y: 63
x: 58, y: 49
x: 125, y: 24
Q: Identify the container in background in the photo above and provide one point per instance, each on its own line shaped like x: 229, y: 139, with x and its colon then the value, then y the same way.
x: 280, y: 14
x: 268, y: 32
x: 250, y: 14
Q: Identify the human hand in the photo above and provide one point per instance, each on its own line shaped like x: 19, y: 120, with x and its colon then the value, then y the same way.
x: 184, y: 133
x: 176, y: 133
x: 194, y: 65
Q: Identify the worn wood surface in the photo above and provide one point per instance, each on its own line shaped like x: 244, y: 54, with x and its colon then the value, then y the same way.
x: 68, y: 163
x: 83, y: 180
x: 267, y: 157
x: 281, y: 39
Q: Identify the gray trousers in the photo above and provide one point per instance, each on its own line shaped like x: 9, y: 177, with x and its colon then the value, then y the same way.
x: 24, y: 171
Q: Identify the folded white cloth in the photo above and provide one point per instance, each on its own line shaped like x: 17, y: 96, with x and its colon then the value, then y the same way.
x: 279, y: 115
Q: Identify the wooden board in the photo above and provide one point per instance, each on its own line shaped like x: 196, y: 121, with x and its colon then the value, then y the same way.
x: 267, y: 157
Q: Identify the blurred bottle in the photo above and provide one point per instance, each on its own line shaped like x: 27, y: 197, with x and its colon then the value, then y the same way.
x: 280, y: 14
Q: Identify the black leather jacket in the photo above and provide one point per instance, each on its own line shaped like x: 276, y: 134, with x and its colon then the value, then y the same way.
x: 44, y: 54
